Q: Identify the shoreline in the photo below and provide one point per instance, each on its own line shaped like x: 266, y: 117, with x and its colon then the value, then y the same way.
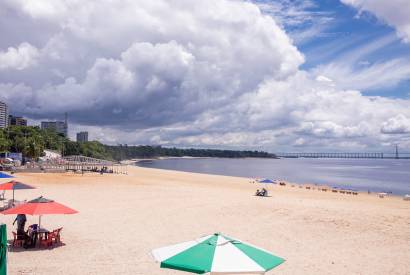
x: 135, y: 163
x: 335, y: 186
x: 289, y: 184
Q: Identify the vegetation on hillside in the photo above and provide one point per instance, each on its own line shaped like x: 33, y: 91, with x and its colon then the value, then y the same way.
x: 32, y: 141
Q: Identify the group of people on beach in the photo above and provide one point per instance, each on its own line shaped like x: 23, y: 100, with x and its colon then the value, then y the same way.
x: 262, y: 193
x: 103, y: 170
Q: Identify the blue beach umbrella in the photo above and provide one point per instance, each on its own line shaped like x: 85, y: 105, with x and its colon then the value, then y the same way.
x: 267, y: 181
x: 5, y: 176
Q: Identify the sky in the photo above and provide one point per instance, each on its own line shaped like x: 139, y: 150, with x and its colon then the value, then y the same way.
x: 279, y: 76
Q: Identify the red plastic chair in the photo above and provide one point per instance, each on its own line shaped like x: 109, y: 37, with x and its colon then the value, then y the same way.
x: 56, y: 237
x: 17, y: 242
x: 47, y: 242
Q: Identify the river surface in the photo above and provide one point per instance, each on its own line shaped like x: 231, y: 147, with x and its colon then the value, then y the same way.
x: 376, y: 175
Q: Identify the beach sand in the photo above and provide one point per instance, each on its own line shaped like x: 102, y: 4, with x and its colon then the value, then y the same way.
x: 123, y: 217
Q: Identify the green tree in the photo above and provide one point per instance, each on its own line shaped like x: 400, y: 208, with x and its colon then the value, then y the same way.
x: 34, y: 147
x: 4, y: 142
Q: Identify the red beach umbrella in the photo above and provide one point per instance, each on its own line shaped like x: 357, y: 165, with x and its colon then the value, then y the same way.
x: 40, y: 206
x: 15, y: 185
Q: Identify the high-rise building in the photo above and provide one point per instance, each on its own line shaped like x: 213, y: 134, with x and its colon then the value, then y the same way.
x: 17, y: 121
x: 82, y: 137
x: 58, y: 126
x: 4, y: 115
x: 61, y: 127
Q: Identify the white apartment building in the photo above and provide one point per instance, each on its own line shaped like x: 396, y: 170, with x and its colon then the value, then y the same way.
x: 4, y: 115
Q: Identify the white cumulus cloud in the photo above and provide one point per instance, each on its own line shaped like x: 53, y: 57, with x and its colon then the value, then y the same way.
x: 19, y: 58
x: 159, y: 62
x: 399, y: 124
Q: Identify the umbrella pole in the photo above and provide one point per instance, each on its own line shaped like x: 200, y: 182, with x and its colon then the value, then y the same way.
x: 13, y: 196
x: 39, y: 221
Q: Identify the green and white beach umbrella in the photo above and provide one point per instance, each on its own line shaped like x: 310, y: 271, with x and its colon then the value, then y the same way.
x: 217, y: 254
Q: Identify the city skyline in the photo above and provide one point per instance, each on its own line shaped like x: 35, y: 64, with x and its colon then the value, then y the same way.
x: 8, y: 119
x: 275, y: 75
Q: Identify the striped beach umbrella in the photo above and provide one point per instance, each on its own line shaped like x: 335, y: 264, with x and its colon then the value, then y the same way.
x: 216, y: 254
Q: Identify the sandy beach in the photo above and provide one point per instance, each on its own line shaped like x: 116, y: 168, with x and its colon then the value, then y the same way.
x: 123, y: 217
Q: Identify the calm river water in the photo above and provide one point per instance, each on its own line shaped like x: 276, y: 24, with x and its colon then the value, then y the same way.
x: 376, y: 175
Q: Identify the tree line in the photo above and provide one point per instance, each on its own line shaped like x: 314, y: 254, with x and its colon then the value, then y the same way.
x: 122, y: 152
x: 32, y: 141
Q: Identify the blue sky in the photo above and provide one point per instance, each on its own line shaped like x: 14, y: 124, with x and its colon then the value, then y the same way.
x: 327, y: 30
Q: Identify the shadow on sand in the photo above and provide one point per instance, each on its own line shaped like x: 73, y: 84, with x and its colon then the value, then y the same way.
x: 19, y: 249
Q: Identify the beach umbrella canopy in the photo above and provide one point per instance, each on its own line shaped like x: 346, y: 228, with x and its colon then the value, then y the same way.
x: 217, y: 254
x: 15, y: 185
x: 5, y: 176
x: 266, y: 181
x: 40, y: 206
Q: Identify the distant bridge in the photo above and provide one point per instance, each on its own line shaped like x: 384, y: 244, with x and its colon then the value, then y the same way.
x: 345, y: 155
x: 332, y: 155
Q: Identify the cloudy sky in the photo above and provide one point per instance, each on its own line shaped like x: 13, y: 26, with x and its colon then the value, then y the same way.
x: 283, y: 75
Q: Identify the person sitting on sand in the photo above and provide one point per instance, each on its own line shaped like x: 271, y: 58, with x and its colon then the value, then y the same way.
x: 31, y: 236
x: 262, y: 192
